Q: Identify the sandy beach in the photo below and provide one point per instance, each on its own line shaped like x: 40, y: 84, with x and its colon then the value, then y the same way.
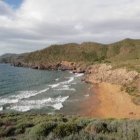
x: 108, y: 101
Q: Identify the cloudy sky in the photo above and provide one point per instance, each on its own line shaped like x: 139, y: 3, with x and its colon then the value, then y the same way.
x: 27, y: 25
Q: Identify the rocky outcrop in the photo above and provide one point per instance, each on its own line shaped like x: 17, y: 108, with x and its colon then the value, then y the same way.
x: 63, y: 65
x: 105, y: 73
x: 74, y: 67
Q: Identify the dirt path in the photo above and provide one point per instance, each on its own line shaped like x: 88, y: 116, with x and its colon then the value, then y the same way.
x: 108, y: 101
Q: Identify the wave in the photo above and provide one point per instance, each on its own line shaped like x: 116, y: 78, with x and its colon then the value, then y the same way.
x: 65, y: 88
x: 64, y: 82
x: 26, y: 105
x: 54, y: 85
x: 22, y: 95
x: 28, y: 94
x: 57, y: 106
x: 78, y: 74
x: 56, y: 79
x: 8, y: 101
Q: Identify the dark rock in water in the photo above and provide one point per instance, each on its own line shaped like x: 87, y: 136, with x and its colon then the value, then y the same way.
x: 35, y: 67
x: 17, y: 64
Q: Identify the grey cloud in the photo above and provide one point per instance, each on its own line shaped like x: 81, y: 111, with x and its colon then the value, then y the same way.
x: 38, y: 34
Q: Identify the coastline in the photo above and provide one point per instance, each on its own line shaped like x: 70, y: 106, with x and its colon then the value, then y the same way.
x: 108, y: 101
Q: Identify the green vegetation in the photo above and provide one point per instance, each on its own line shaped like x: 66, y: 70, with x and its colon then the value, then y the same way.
x: 28, y: 126
x: 125, y: 53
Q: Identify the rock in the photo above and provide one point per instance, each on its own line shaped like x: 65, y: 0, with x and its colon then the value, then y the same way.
x: 104, y: 73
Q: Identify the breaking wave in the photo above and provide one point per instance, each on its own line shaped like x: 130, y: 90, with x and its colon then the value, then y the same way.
x: 22, y: 95
x: 23, y: 102
x: 26, y: 105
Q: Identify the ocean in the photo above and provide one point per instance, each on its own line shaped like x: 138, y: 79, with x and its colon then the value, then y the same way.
x: 29, y: 90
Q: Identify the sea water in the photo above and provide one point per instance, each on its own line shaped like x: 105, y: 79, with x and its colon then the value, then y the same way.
x: 25, y: 89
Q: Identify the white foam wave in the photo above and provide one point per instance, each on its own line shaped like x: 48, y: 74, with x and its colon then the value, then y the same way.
x: 78, y: 74
x: 54, y: 85
x: 22, y: 95
x: 68, y: 81
x: 65, y: 88
x: 26, y: 105
x: 8, y: 101
x: 58, y: 106
x: 56, y: 79
x: 20, y: 108
x: 62, y: 83
x: 28, y: 94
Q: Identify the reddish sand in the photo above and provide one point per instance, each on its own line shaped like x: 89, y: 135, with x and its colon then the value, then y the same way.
x: 108, y: 101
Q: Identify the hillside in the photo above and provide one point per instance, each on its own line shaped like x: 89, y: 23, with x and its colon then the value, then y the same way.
x: 88, y: 52
x: 122, y: 53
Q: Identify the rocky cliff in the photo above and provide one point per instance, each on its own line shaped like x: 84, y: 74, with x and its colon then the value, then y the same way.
x: 105, y: 73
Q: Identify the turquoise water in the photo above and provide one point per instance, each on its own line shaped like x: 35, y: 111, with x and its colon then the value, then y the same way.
x: 24, y: 89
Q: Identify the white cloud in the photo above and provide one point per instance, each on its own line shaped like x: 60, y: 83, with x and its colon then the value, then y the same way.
x: 36, y: 24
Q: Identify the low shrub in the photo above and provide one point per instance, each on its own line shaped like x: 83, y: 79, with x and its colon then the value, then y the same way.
x: 97, y: 127
x: 136, y: 100
x: 130, y: 90
x: 66, y: 129
x: 42, y: 129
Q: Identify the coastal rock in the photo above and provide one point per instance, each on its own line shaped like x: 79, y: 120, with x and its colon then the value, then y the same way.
x: 65, y: 65
x: 105, y: 73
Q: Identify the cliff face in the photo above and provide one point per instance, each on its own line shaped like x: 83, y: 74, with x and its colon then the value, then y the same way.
x: 105, y: 73
x: 63, y: 65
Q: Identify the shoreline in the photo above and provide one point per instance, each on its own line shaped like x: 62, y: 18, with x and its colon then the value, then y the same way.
x: 108, y: 101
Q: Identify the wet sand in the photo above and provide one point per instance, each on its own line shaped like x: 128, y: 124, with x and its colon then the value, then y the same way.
x: 108, y: 101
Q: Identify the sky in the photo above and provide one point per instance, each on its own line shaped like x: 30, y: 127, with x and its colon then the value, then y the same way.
x: 28, y: 25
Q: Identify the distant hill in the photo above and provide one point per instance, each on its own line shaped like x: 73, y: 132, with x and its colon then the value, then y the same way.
x: 88, y: 52
x: 11, y: 58
x: 6, y: 58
